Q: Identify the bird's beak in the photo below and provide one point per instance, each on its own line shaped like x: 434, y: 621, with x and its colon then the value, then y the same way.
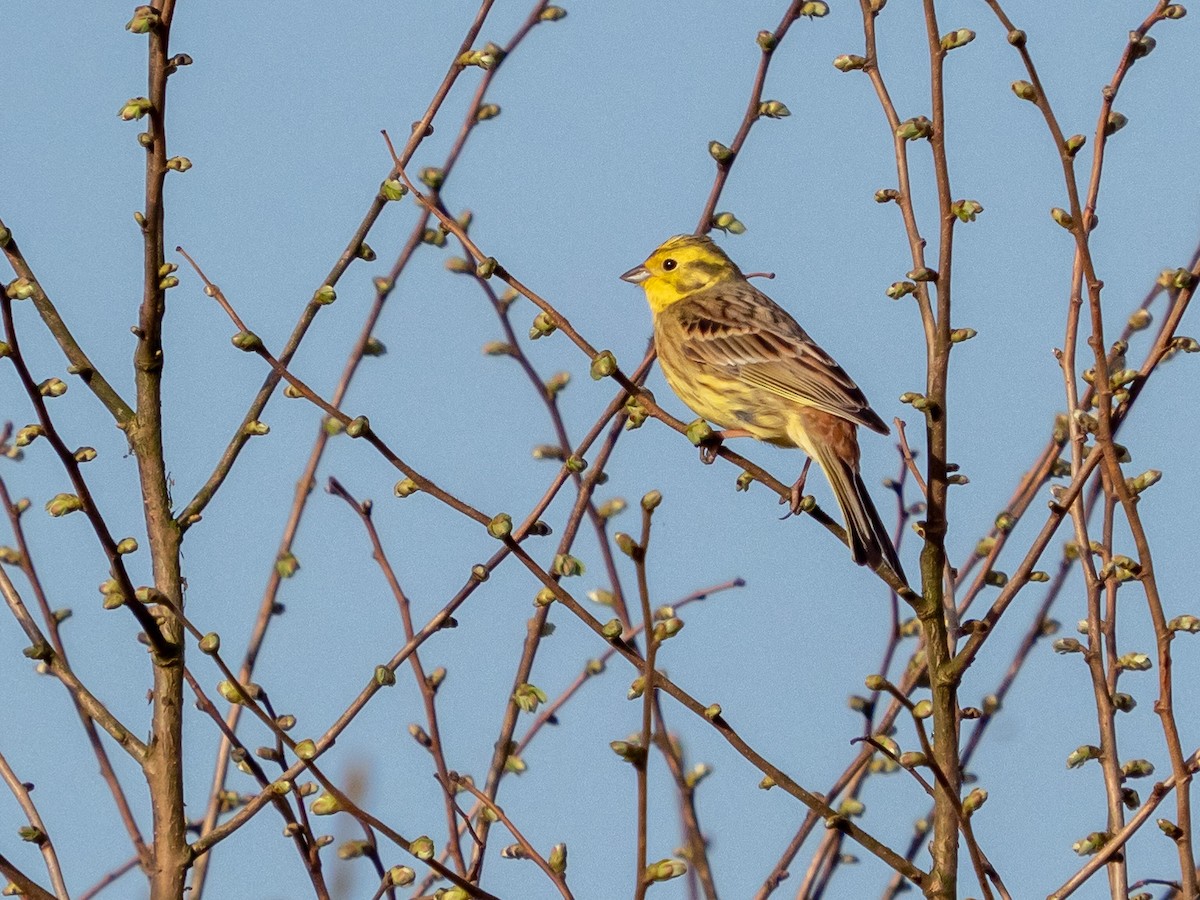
x: 636, y: 275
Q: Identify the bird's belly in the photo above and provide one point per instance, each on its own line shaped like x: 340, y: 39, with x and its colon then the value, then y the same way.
x: 732, y: 404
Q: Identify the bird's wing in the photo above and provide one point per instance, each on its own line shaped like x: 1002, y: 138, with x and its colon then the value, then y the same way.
x: 742, y: 331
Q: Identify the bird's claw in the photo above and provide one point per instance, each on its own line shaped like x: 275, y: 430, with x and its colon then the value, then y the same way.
x: 710, y: 448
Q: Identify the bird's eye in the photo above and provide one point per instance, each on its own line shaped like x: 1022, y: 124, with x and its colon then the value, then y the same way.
x: 669, y: 264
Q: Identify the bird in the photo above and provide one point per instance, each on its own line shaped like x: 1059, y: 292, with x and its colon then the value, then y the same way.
x: 738, y: 359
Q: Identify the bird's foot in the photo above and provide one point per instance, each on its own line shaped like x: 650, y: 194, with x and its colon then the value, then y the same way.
x: 795, y: 498
x: 710, y: 447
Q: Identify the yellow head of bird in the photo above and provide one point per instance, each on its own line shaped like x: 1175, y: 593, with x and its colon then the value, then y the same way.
x: 683, y: 265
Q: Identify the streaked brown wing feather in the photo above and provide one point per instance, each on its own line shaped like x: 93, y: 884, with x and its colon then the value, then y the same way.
x: 742, y: 331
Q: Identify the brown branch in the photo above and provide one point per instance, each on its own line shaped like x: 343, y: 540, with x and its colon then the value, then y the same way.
x: 51, y: 624
x: 363, y: 511
x: 752, y: 115
x: 81, y: 365
x: 555, y: 877
x: 41, y: 836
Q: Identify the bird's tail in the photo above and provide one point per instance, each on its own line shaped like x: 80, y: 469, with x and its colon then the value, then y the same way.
x: 870, y: 542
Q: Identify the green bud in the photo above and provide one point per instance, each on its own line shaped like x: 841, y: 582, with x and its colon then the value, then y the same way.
x: 966, y: 210
x: 287, y: 565
x: 1141, y: 45
x: 135, y: 108
x: 1067, y: 645
x: 1025, y: 91
x: 813, y: 10
x: 433, y: 177
x: 20, y: 289
x: 766, y: 40
x: 699, y: 431
x: 728, y: 222
x: 712, y: 712
x: 358, y: 426
x: 401, y: 876
x: 145, y: 19
x: 1017, y: 37
x: 1080, y: 755
x: 1116, y: 121
x: 923, y: 709
x: 487, y: 111
x: 179, y: 163
x: 1092, y: 843
x: 422, y: 848
x: 610, y: 508
x: 915, y: 129
x: 543, y: 325
x: 767, y: 783
x: 719, y: 151
x: 1073, y: 144
x: 773, y: 109
x: 528, y: 697
x: 126, y: 546
x: 1134, y: 662
x: 630, y: 751
x: 1170, y: 829
x: 974, y: 800
x: 1173, y: 11
x: 325, y: 805
x: 612, y: 629
x: 565, y: 566
x: 393, y: 189
x: 500, y: 526
x: 900, y: 289
x: 247, y: 341
x: 544, y: 597
x: 848, y: 62
x: 635, y: 414
x: 604, y: 365
x: 886, y: 195
x: 626, y: 544
x: 405, y: 487
x: 956, y: 39
x: 63, y: 504
x: 666, y: 869
x: 552, y: 14
x: 1062, y: 217
x: 651, y: 501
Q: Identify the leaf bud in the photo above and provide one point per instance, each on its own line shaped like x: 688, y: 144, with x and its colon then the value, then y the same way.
x: 135, y: 108
x: 1025, y: 91
x: 247, y: 341
x: 566, y: 566
x: 63, y: 504
x: 1017, y: 37
x: 728, y: 222
x: 900, y: 289
x: 1073, y: 144
x: 651, y: 501
x: 699, y: 431
x: 433, y: 177
x: 719, y: 151
x: 604, y: 365
x: 1173, y: 11
x: 543, y: 325
x: 612, y: 629
x: 666, y: 869
x: 1134, y: 662
x: 974, y: 800
x: 544, y: 597
x: 179, y: 163
x: 915, y: 129
x: 1062, y: 217
x: 392, y: 189
x: 20, y: 289
x: 1137, y: 768
x: 1170, y: 829
x: 552, y: 14
x: 1080, y: 755
x: 966, y: 210
x: 500, y: 526
x: 849, y: 62
x: 1116, y: 121
x: 528, y: 697
x: 773, y: 109
x: 766, y: 40
x: 813, y: 10
x: 956, y: 39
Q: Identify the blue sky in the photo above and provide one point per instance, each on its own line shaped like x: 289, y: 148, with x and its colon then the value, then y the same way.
x: 599, y: 154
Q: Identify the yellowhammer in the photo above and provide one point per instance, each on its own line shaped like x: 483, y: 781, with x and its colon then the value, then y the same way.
x: 738, y: 359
